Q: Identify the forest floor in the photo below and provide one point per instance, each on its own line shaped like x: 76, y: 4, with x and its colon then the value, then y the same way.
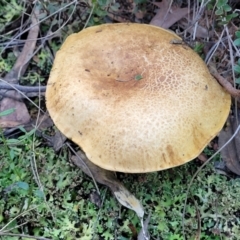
x: 44, y: 196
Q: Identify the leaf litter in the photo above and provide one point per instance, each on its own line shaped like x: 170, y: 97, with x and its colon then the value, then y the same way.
x: 166, y: 16
x: 231, y: 153
x: 13, y: 100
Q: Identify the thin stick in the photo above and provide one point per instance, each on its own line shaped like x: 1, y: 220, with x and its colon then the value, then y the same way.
x: 22, y: 95
x: 24, y: 236
x: 26, y: 89
x: 224, y: 82
x: 19, y: 215
x: 21, y: 64
x: 42, y: 20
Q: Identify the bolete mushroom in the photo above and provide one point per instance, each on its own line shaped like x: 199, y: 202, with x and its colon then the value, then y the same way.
x: 134, y: 97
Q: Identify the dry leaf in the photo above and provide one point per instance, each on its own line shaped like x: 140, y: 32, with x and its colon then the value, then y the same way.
x: 43, y: 122
x: 129, y: 200
x: 144, y: 234
x: 168, y: 15
x: 231, y: 153
x: 202, y: 157
x: 95, y: 198
x: 140, y: 14
x: 19, y: 117
x: 200, y: 31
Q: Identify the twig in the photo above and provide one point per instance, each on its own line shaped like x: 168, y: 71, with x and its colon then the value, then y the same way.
x: 18, y: 96
x: 24, y: 236
x: 199, y: 222
x: 26, y: 89
x: 224, y: 82
x: 19, y: 215
x: 21, y: 64
x: 215, y: 47
x: 90, y: 15
x: 42, y: 20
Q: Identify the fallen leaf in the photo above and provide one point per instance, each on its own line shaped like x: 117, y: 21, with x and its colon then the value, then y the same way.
x: 202, y: 157
x: 168, y: 15
x: 144, y: 234
x: 19, y: 117
x: 128, y: 200
x: 231, y: 153
x: 95, y: 198
x: 139, y: 14
x: 198, y: 31
x: 58, y: 140
x: 42, y: 122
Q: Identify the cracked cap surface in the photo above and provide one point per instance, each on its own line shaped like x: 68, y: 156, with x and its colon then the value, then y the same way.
x: 133, y: 98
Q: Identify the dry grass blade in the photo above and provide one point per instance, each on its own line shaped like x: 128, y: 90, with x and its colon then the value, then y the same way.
x: 195, y: 23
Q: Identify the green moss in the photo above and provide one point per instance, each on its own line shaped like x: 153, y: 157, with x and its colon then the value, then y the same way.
x: 67, y: 192
x: 9, y: 11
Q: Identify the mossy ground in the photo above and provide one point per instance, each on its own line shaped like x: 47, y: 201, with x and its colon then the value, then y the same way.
x: 63, y: 209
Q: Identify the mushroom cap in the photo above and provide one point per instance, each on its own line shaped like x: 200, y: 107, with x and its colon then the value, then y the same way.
x: 133, y: 98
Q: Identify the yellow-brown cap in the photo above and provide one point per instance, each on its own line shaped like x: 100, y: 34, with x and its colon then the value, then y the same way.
x: 133, y: 98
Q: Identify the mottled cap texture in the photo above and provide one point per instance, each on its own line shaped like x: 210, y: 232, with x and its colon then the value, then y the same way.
x: 134, y: 97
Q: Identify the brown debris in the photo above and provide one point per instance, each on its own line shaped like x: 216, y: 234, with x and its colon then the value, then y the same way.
x: 224, y: 82
x: 202, y: 157
x: 231, y: 153
x: 168, y: 14
x: 101, y: 175
x: 20, y: 115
